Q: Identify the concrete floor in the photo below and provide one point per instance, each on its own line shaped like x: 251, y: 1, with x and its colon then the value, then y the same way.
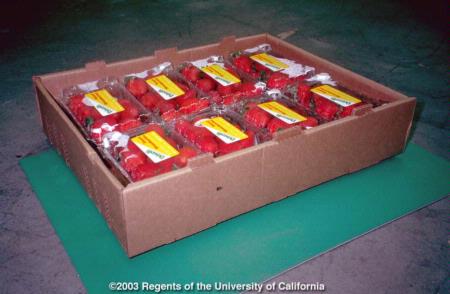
x: 402, y: 45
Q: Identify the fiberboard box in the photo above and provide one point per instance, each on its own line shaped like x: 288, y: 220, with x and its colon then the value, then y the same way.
x: 171, y: 206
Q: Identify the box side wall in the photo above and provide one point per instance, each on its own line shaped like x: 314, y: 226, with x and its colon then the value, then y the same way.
x: 324, y: 153
x: 172, y: 207
x: 101, y: 186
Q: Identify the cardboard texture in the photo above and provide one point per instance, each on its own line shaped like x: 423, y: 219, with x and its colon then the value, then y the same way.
x: 160, y: 210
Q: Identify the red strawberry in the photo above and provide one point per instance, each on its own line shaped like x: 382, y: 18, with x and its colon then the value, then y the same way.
x: 182, y: 126
x: 191, y: 73
x: 130, y: 111
x: 346, y: 111
x: 225, y: 90
x: 206, y: 84
x: 232, y: 98
x: 325, y: 108
x: 309, y: 123
x: 304, y: 95
x: 244, y: 63
x: 143, y: 171
x: 278, y: 80
x: 259, y: 67
x: 102, y: 126
x: 165, y: 106
x: 250, y: 141
x: 276, y: 125
x: 215, y: 97
x: 157, y: 128
x: 75, y: 103
x: 167, y: 165
x: 129, y: 124
x: 257, y: 117
x: 86, y: 115
x: 150, y: 99
x: 207, y: 144
x: 249, y: 90
x: 189, y: 105
x: 130, y: 160
x: 188, y: 94
x: 182, y: 158
x: 137, y: 87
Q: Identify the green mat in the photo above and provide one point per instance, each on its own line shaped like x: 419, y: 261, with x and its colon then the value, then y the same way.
x: 251, y: 247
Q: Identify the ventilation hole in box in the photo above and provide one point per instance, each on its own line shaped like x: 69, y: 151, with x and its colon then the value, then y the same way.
x: 219, y: 188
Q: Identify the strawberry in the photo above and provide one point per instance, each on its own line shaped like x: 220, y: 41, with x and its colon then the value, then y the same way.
x: 182, y: 126
x: 230, y: 99
x: 278, y: 80
x: 346, y: 111
x: 309, y: 123
x: 167, y: 165
x: 207, y: 144
x: 75, y: 103
x: 250, y: 141
x: 260, y: 68
x: 215, y: 97
x: 128, y: 124
x: 325, y: 108
x: 257, y: 117
x: 157, y: 128
x: 244, y: 63
x: 276, y: 125
x: 143, y: 171
x: 102, y: 126
x: 206, y: 84
x: 249, y: 90
x: 304, y: 95
x: 191, y: 73
x: 165, y: 106
x: 150, y: 99
x: 182, y: 158
x: 86, y: 115
x: 225, y: 90
x: 130, y: 160
x: 170, y: 115
x: 137, y: 87
x: 188, y: 94
x: 130, y: 111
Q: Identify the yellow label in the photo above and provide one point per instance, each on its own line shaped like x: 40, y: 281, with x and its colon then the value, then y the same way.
x: 165, y: 87
x: 154, y: 146
x: 335, y: 95
x: 221, y: 75
x: 282, y: 112
x: 104, y: 102
x: 269, y: 61
x: 223, y: 129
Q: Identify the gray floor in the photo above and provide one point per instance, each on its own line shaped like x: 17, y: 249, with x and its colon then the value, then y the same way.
x: 401, y: 45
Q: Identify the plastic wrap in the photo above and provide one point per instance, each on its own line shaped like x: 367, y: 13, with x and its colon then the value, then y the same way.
x: 323, y: 95
x: 164, y: 92
x: 104, y: 106
x: 262, y: 64
x: 217, y: 78
x: 148, y: 152
x: 272, y: 114
x: 219, y: 131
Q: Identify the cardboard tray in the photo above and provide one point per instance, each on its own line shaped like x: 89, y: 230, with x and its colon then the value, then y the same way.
x: 160, y: 210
